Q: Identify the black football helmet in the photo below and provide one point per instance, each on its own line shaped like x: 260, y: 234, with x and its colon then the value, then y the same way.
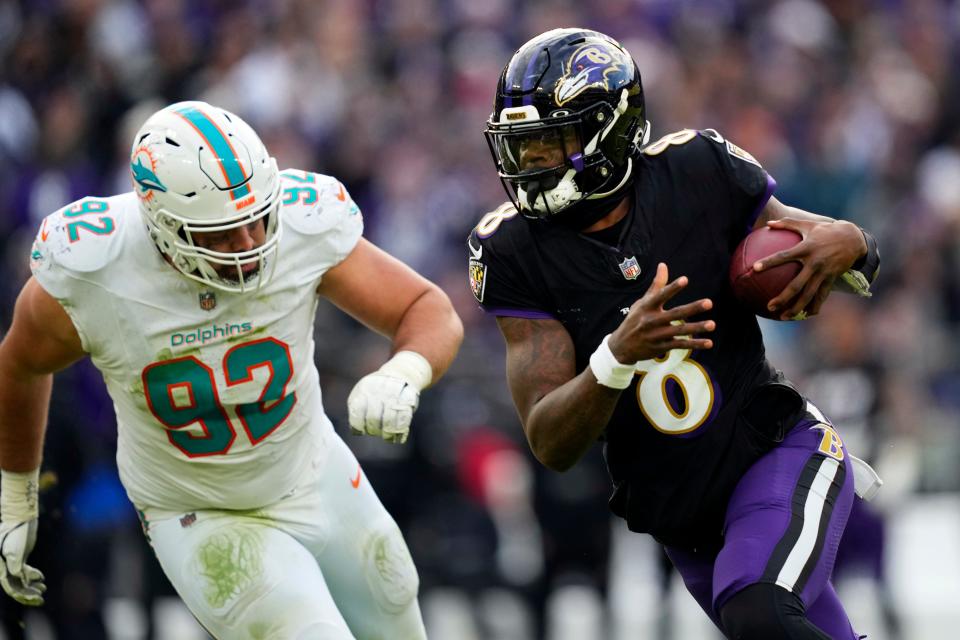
x: 568, y: 120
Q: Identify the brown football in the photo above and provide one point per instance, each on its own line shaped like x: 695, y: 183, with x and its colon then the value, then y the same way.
x: 755, y: 289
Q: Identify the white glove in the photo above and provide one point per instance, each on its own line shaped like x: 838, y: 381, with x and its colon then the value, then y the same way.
x: 18, y: 534
x: 382, y: 403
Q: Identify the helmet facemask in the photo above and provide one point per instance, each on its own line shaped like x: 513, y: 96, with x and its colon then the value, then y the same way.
x: 176, y: 237
x: 548, y: 165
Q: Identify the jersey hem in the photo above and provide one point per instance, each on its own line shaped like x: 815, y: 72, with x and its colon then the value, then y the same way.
x: 530, y: 314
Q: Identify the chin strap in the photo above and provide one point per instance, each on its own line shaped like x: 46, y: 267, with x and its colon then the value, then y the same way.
x: 566, y: 191
x: 626, y: 177
x: 640, y: 140
x: 647, y: 128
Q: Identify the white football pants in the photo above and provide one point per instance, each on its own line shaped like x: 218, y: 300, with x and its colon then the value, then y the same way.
x: 327, y: 562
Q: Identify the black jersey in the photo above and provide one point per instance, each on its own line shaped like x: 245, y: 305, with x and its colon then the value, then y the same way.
x: 677, y: 442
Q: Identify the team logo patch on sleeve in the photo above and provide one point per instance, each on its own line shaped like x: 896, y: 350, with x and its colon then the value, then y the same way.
x: 736, y: 151
x: 36, y: 256
x: 478, y: 279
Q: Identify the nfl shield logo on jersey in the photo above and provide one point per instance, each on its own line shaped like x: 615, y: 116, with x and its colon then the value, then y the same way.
x: 630, y: 268
x: 208, y: 300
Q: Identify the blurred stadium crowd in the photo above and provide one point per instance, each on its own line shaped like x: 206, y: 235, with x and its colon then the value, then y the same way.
x: 852, y: 105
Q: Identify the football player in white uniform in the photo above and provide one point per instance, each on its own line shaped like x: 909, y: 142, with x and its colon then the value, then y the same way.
x: 195, y: 297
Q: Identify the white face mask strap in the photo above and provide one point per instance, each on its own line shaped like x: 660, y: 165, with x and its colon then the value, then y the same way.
x: 622, y: 106
x: 205, y: 269
x: 619, y: 111
x: 240, y: 275
x: 591, y: 146
x: 626, y: 176
x: 264, y: 276
x: 643, y: 135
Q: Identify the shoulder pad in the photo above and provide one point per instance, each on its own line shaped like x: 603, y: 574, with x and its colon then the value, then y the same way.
x: 680, y: 138
x: 490, y: 223
x: 730, y: 148
x: 712, y: 134
x: 312, y: 203
x: 675, y: 139
x: 500, y: 235
x: 85, y: 235
x: 691, y: 144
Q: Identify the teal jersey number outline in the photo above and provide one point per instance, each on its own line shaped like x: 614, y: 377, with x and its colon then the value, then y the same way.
x: 88, y: 207
x: 274, y: 405
x: 291, y: 195
x: 202, y: 405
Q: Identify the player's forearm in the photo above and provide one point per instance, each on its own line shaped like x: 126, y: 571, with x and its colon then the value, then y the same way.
x: 776, y: 210
x: 432, y: 328
x: 856, y: 245
x: 24, y: 398
x: 563, y: 425
x: 563, y: 413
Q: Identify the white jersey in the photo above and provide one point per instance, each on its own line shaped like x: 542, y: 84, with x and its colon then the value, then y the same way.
x: 217, y: 395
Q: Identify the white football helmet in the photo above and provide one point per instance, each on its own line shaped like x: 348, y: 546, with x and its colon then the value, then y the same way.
x: 199, y: 168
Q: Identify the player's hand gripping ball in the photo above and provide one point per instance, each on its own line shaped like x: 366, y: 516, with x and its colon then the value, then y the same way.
x: 756, y: 288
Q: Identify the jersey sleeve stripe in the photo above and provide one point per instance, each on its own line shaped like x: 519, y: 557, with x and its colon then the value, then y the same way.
x: 530, y: 314
x: 764, y: 199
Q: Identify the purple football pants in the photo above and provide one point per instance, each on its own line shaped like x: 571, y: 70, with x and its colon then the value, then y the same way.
x: 783, y: 525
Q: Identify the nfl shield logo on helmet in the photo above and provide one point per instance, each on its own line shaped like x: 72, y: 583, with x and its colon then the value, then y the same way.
x: 208, y: 300
x: 630, y: 268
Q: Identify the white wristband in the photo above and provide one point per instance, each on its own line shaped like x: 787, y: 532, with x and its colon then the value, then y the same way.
x: 411, y: 367
x: 609, y: 371
x: 18, y: 495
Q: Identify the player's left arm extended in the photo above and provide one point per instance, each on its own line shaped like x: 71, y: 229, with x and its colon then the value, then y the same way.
x: 416, y: 315
x: 41, y: 340
x: 836, y: 254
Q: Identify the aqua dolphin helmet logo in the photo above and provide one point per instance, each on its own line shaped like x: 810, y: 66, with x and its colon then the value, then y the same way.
x: 145, y: 176
x: 597, y: 64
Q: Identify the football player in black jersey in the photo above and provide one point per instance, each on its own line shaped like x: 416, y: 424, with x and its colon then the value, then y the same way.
x: 742, y: 479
